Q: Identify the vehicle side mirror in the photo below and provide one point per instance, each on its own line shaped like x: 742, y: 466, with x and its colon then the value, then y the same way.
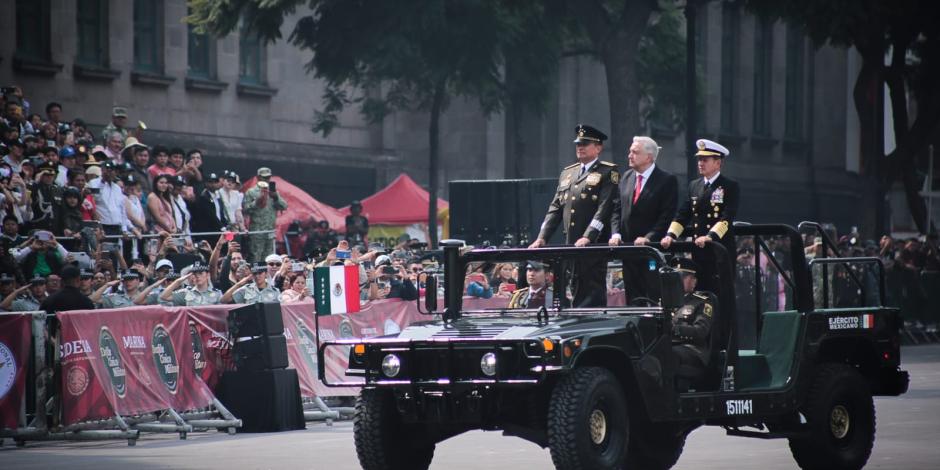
x: 430, y: 293
x: 673, y: 292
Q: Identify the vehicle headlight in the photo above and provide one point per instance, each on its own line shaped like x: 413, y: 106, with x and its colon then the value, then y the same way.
x: 391, y: 365
x: 488, y: 364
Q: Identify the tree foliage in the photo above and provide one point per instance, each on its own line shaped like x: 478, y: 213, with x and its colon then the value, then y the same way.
x: 413, y: 55
x: 904, y: 33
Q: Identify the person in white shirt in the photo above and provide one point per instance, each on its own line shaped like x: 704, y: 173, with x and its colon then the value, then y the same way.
x: 232, y: 198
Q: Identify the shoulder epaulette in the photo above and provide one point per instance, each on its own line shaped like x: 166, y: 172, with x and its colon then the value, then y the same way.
x: 572, y: 166
x: 608, y: 164
x: 701, y: 295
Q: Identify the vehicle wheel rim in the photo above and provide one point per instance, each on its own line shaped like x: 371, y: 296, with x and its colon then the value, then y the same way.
x: 839, y: 422
x: 598, y: 426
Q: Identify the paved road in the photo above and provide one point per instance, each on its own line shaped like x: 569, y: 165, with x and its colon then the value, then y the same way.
x: 908, y: 433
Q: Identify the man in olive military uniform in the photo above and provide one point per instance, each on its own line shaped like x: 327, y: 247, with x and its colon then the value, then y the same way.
x: 200, y: 293
x: 692, y: 323
x: 253, y: 289
x: 538, y: 293
x: 708, y: 213
x: 117, y: 124
x: 262, y: 204
x: 582, y: 205
x: 123, y: 298
x: 29, y: 297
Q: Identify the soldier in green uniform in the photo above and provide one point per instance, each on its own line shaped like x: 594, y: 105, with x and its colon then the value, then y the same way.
x: 261, y: 205
x: 252, y: 289
x: 123, y: 298
x: 538, y: 292
x: 32, y: 296
x: 200, y: 293
x: 708, y: 213
x: 118, y: 123
x: 692, y: 323
x: 583, y: 205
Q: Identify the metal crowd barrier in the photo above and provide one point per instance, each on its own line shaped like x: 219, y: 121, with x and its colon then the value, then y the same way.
x: 193, y: 234
x: 44, y: 379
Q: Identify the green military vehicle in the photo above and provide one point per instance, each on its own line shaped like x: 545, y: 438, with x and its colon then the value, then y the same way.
x: 797, y: 353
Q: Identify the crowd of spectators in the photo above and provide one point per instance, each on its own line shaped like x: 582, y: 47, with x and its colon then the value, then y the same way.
x: 112, y: 220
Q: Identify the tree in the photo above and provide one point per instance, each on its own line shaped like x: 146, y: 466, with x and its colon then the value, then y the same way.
x: 611, y: 30
x: 413, y: 55
x: 907, y: 32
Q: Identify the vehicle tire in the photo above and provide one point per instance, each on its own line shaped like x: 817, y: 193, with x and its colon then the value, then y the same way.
x: 382, y: 441
x: 588, y: 424
x: 840, y: 415
x: 655, y: 447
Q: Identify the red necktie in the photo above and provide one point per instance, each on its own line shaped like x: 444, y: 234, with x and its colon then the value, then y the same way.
x: 637, y: 188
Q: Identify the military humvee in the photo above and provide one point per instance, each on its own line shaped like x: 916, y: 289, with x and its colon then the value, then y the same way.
x: 797, y: 353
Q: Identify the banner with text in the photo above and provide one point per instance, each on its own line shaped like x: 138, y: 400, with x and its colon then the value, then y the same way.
x: 14, y: 356
x: 127, y: 361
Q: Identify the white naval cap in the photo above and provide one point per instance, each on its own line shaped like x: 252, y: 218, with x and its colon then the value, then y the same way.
x: 707, y: 148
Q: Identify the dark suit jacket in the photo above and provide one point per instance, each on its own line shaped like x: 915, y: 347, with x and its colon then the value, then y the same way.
x: 653, y: 211
x: 204, y: 215
x: 709, y: 212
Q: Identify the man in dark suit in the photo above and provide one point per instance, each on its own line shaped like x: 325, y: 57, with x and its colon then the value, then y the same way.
x: 209, y: 214
x: 708, y: 213
x: 647, y: 202
x: 582, y: 206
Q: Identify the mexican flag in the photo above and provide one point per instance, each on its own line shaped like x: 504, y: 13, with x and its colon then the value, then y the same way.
x: 336, y: 289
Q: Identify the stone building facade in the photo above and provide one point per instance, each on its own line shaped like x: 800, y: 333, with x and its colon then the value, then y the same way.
x: 782, y: 107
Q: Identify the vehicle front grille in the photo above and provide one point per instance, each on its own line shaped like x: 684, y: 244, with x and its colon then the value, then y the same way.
x: 466, y: 332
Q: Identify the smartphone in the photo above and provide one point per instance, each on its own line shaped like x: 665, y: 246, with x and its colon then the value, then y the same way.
x: 229, y: 236
x: 343, y: 254
x: 510, y: 287
x: 94, y: 190
x: 179, y: 242
x: 296, y: 267
x: 389, y: 270
x: 272, y: 186
x: 43, y: 235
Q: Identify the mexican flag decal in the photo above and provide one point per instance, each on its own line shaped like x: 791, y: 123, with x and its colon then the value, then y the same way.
x: 336, y: 289
x: 868, y: 321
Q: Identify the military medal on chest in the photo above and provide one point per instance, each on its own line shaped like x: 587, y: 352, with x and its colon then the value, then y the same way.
x: 718, y: 195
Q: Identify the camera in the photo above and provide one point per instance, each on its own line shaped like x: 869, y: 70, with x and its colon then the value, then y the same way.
x: 343, y: 254
x: 296, y: 267
x: 389, y: 270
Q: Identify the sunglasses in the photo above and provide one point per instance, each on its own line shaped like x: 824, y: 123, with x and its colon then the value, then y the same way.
x: 274, y: 264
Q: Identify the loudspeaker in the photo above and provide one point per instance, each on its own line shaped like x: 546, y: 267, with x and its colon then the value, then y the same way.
x: 500, y: 212
x: 265, y: 401
x: 261, y: 353
x: 259, y: 319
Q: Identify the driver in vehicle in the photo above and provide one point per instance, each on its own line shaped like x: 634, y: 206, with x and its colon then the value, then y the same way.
x: 692, y: 323
x: 539, y: 291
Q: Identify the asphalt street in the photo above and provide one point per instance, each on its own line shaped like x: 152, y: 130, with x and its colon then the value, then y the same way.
x: 908, y: 433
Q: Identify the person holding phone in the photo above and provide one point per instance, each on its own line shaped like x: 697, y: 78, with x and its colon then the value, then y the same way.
x: 261, y: 205
x: 503, y: 283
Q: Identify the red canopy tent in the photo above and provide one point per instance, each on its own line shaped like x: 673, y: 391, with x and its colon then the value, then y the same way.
x: 402, y: 202
x: 301, y: 206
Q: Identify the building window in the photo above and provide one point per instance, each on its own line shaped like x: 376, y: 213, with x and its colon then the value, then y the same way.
x: 730, y: 35
x: 93, y: 33
x: 794, y: 76
x: 32, y: 30
x: 148, y: 36
x: 201, y: 49
x: 763, y: 75
x: 250, y: 59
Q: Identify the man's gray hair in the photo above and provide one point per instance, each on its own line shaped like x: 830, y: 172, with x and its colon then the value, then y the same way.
x: 649, y: 145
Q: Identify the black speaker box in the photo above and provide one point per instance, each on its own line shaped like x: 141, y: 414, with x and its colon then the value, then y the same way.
x: 265, y: 401
x: 259, y: 319
x: 501, y: 211
x: 261, y: 353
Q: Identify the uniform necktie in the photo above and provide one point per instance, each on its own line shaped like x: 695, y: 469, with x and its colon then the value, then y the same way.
x: 583, y: 169
x: 708, y: 186
x: 637, y: 188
